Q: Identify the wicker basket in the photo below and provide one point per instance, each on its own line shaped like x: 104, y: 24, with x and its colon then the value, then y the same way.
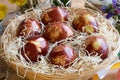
x: 9, y: 36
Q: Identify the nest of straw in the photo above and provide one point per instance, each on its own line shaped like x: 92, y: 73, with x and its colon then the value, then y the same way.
x: 82, y: 68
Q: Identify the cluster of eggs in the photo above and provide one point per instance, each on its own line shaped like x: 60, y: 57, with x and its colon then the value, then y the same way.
x: 37, y: 40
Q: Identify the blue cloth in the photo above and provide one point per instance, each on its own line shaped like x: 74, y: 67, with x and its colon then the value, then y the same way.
x: 1, y: 28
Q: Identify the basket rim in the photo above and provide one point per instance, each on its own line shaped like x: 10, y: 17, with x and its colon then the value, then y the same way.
x: 73, y: 74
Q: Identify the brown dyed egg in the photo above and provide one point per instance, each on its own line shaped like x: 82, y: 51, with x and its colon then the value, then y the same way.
x: 85, y: 23
x: 28, y: 27
x: 35, y: 45
x: 57, y: 31
x: 97, y: 44
x: 54, y: 14
x: 62, y: 55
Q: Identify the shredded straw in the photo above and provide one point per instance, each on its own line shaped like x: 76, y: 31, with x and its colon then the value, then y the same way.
x: 83, y: 63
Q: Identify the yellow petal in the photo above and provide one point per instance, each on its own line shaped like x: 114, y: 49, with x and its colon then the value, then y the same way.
x: 21, y: 2
x: 3, y: 8
x: 2, y: 15
x: 117, y: 65
x: 95, y: 77
x: 12, y: 1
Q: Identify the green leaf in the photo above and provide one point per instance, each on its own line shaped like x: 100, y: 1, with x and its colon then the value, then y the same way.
x: 56, y: 2
x: 119, y: 54
x: 117, y: 26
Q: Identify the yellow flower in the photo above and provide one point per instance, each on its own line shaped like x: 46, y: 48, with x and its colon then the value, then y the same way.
x: 3, y: 8
x: 12, y: 1
x: 19, y: 2
x: 3, y: 11
x: 2, y: 15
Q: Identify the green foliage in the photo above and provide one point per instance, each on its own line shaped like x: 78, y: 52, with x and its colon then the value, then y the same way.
x: 57, y: 3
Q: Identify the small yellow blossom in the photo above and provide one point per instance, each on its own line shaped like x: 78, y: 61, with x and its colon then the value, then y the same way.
x: 2, y: 15
x: 12, y: 1
x: 3, y: 11
x: 3, y: 8
x: 18, y: 2
x: 21, y: 2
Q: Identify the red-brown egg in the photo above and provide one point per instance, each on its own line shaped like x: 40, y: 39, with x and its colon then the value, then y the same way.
x: 35, y: 45
x: 85, y: 22
x: 28, y: 27
x: 97, y: 44
x: 62, y: 55
x: 57, y: 31
x: 54, y: 14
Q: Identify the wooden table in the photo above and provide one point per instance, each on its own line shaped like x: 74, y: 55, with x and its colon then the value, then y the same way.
x: 12, y: 74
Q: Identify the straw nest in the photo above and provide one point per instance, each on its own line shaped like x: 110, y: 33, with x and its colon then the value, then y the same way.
x: 82, y: 68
